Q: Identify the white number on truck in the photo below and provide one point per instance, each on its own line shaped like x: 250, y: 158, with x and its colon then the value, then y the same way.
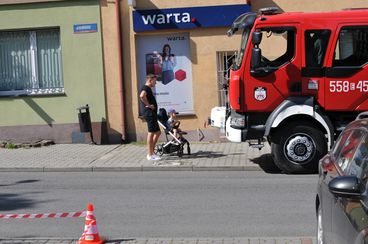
x: 347, y: 86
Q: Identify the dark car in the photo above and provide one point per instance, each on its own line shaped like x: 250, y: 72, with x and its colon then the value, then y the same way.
x: 342, y: 194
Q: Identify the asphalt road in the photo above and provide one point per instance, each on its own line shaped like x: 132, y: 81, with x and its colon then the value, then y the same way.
x: 161, y: 204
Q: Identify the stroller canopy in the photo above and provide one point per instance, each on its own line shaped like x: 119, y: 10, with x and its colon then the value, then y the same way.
x: 162, y: 116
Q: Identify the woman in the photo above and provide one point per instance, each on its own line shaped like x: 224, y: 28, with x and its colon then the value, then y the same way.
x: 168, y: 63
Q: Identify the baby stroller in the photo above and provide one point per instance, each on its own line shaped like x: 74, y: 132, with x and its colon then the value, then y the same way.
x: 170, y: 146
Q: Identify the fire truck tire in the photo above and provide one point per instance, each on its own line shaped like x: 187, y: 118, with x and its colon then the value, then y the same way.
x: 297, y: 148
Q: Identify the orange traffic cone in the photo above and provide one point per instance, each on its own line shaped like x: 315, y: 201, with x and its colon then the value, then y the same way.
x: 90, y: 233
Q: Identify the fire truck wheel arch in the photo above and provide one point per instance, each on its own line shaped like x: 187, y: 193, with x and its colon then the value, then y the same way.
x: 289, y: 108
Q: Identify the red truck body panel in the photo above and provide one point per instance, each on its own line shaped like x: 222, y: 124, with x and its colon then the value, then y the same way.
x: 345, y: 93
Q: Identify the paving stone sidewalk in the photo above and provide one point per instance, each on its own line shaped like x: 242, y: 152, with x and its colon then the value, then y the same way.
x: 132, y: 157
x: 266, y: 240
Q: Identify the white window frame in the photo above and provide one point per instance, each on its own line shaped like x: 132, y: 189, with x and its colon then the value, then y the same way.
x: 36, y: 90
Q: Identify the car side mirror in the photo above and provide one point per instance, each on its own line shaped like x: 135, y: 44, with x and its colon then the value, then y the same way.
x: 256, y: 38
x: 256, y: 58
x: 346, y: 186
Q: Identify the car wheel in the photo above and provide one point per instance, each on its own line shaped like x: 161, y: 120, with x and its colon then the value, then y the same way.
x: 320, y: 236
x: 297, y: 148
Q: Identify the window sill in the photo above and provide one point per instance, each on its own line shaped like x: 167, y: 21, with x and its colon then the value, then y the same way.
x: 33, y: 93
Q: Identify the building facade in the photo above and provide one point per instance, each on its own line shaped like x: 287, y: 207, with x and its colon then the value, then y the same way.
x: 195, y: 34
x: 51, y: 64
x: 202, y: 51
x: 58, y: 55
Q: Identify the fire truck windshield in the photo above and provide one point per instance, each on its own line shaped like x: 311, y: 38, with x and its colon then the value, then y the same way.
x: 243, y: 22
x: 243, y: 45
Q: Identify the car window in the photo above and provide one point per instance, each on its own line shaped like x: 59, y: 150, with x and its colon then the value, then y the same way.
x: 348, y: 149
x: 351, y: 48
x: 316, y: 45
x: 340, y: 143
x: 285, y: 41
x: 359, y: 163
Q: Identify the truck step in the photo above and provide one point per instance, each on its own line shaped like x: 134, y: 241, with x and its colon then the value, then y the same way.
x: 258, y: 144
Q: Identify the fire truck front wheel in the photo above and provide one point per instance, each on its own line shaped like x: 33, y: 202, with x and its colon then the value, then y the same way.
x: 297, y: 148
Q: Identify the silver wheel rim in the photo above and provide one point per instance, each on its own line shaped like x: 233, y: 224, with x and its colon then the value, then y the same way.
x: 319, y: 227
x: 300, y: 148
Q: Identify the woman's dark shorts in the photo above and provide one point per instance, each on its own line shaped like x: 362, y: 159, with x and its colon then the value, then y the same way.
x: 152, y: 124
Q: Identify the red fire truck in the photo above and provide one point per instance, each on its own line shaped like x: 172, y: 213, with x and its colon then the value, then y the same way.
x: 298, y: 80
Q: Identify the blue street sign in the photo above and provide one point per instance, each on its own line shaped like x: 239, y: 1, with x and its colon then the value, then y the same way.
x: 85, y: 28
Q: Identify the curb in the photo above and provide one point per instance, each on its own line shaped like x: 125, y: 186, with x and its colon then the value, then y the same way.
x: 134, y: 169
x: 235, y: 240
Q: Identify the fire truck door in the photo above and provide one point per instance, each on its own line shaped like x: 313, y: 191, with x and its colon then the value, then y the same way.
x: 278, y: 75
x: 346, y: 84
x: 315, y: 49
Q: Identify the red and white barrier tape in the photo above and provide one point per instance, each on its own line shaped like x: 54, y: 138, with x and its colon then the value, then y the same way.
x: 44, y: 216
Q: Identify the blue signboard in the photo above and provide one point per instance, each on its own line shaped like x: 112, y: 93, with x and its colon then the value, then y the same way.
x: 85, y: 28
x: 187, y: 18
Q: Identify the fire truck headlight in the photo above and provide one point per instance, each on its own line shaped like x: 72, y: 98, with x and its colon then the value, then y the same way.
x: 237, y: 122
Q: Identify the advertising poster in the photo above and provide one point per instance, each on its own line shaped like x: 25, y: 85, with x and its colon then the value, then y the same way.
x: 168, y: 57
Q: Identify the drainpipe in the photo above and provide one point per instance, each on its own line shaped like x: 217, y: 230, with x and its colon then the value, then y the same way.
x: 120, y: 69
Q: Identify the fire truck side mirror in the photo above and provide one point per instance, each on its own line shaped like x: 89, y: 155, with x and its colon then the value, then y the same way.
x: 256, y: 58
x: 256, y: 38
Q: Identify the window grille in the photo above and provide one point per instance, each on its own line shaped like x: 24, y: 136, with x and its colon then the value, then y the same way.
x: 224, y: 62
x: 30, y: 62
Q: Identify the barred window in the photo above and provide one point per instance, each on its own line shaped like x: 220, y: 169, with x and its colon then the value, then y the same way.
x: 224, y: 62
x: 30, y: 62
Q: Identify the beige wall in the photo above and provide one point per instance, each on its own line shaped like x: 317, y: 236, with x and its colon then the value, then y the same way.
x: 110, y: 38
x: 204, y: 68
x: 309, y: 6
x: 152, y: 4
x: 204, y: 44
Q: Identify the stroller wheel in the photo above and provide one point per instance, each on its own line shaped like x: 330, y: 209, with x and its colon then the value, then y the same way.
x: 180, y: 151
x: 158, y: 150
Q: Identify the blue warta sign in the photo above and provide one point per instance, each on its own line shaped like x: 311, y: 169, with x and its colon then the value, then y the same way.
x: 85, y: 28
x: 187, y: 18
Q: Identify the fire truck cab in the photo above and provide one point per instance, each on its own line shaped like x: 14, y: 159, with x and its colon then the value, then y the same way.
x: 298, y: 80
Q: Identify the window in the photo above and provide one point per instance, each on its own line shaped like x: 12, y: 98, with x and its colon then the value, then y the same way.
x: 360, y: 161
x: 315, y: 46
x: 348, y: 148
x: 244, y: 42
x: 284, y: 40
x: 352, y: 47
x: 224, y: 62
x: 340, y: 143
x: 30, y: 62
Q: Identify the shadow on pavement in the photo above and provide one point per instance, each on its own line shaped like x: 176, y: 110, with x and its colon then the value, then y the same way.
x: 21, y: 182
x: 266, y: 163
x: 10, y: 202
x: 208, y: 154
x: 119, y: 241
x: 204, y: 154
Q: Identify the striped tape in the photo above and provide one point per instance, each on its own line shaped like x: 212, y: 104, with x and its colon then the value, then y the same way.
x: 44, y: 216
